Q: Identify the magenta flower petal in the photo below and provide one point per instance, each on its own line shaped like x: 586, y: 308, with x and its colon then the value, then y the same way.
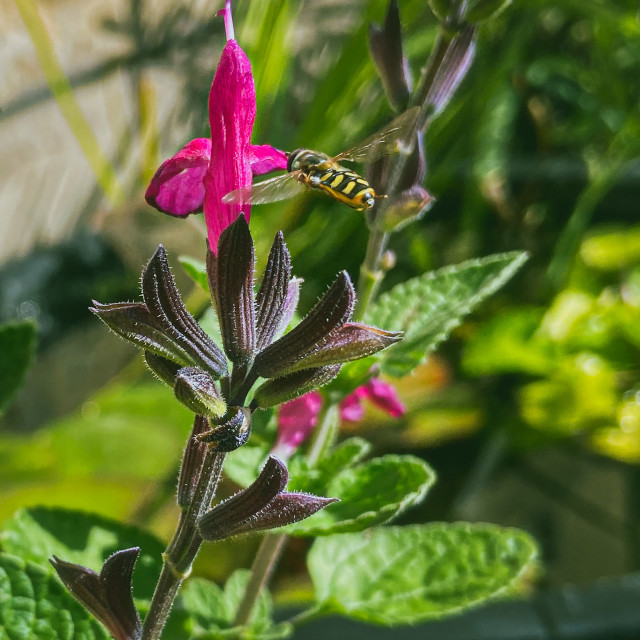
x: 384, y: 396
x: 177, y: 187
x: 204, y: 171
x: 265, y: 158
x: 232, y: 110
x: 351, y: 409
x: 296, y: 420
x: 380, y: 393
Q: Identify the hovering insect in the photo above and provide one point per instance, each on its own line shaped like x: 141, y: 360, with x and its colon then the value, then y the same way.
x: 306, y: 168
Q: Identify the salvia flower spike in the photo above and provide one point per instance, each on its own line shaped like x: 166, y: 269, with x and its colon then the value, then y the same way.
x: 262, y: 505
x: 106, y: 595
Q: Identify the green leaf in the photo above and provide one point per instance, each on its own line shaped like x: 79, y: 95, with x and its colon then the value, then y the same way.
x: 429, y: 307
x: 35, y: 606
x: 405, y: 575
x: 196, y: 270
x: 316, y: 479
x: 214, y: 610
x: 370, y: 493
x: 399, y: 481
x: 348, y: 452
x: 38, y: 533
x: 17, y: 346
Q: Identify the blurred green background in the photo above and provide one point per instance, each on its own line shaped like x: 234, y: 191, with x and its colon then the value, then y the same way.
x: 530, y: 414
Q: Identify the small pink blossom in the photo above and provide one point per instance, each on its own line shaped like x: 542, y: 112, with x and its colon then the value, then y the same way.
x: 382, y: 394
x: 297, y: 418
x: 204, y: 170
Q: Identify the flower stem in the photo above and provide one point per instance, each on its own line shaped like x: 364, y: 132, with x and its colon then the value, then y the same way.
x: 371, y: 275
x: 273, y: 544
x: 306, y: 616
x: 264, y: 563
x: 323, y: 435
x: 183, y: 548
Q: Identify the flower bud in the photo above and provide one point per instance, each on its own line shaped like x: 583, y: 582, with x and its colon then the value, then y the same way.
x: 134, y: 322
x: 231, y: 283
x: 452, y: 70
x: 330, y: 312
x: 385, y: 44
x: 351, y: 341
x: 262, y: 505
x: 406, y: 207
x: 165, y: 369
x: 272, y: 295
x: 279, y: 390
x: 232, y: 434
x: 216, y: 523
x: 108, y: 595
x: 196, y: 390
x: 163, y: 300
x: 162, y: 325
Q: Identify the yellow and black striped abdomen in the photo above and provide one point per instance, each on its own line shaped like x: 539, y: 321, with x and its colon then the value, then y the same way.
x: 342, y: 184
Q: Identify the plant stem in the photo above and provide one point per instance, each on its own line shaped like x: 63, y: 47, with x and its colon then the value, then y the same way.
x: 306, y: 616
x: 371, y: 275
x: 263, y: 565
x: 183, y: 548
x: 323, y: 435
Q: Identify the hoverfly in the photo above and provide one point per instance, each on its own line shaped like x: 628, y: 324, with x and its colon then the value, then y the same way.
x: 314, y: 169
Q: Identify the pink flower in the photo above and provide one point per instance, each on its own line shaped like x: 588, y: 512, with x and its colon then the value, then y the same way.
x: 297, y: 418
x: 204, y: 170
x: 380, y: 393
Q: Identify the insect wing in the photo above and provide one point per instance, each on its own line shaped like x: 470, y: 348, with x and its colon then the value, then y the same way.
x: 382, y: 142
x: 272, y: 190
